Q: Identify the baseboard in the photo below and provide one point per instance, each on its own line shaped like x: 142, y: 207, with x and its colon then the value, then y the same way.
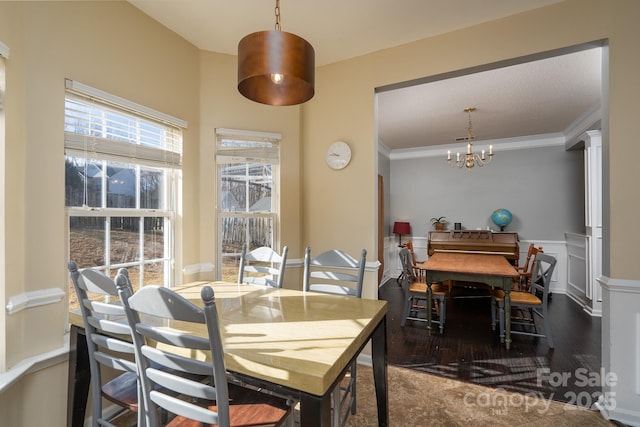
x: 629, y: 417
x: 365, y: 359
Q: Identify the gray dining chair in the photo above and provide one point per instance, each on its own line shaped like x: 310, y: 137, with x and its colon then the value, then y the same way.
x: 154, y: 314
x: 415, y: 295
x: 527, y: 305
x: 336, y: 272
x: 262, y: 266
x: 105, y: 321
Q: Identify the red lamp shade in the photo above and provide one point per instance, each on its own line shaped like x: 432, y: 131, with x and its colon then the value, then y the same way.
x: 401, y: 228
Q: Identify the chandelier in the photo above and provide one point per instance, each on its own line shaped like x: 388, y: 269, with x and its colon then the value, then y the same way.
x: 470, y: 159
x: 276, y: 67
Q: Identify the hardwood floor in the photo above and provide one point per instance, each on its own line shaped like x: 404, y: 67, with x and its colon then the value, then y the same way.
x: 470, y: 351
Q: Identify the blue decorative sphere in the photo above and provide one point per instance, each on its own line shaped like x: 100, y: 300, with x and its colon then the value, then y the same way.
x: 501, y: 217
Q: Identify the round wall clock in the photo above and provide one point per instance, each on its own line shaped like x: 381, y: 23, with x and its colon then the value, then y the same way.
x: 338, y: 155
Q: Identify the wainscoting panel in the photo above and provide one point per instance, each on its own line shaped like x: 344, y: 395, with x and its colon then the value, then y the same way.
x: 583, y: 271
x: 620, y: 399
x: 577, y: 268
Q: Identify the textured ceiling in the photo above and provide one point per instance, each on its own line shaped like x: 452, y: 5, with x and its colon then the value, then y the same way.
x: 338, y: 29
x: 535, y: 98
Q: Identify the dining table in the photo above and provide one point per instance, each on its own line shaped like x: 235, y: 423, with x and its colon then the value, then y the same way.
x: 294, y: 343
x: 492, y: 270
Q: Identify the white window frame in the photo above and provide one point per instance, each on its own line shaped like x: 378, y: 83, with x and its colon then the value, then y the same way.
x: 240, y: 155
x: 162, y: 152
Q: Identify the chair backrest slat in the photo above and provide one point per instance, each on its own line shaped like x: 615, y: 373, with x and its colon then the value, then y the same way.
x: 111, y: 326
x: 177, y: 362
x: 171, y: 337
x: 181, y: 385
x: 109, y: 309
x: 115, y: 362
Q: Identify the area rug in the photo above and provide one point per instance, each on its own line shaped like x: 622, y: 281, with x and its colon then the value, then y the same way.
x: 418, y: 399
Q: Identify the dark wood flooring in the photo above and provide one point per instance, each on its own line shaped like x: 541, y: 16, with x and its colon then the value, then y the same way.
x: 470, y: 351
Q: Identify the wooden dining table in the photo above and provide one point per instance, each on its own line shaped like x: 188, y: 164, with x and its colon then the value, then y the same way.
x: 295, y: 343
x: 492, y: 270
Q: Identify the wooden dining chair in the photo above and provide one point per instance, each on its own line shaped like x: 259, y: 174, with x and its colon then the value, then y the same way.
x: 415, y: 295
x: 337, y: 272
x: 418, y: 272
x: 161, y: 316
x: 262, y: 266
x: 526, y: 269
x: 526, y: 305
x: 104, y: 321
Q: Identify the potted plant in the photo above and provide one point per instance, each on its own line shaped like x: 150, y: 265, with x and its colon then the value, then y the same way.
x: 439, y: 222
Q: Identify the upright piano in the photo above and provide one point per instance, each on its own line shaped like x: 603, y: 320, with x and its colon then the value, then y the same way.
x: 475, y: 241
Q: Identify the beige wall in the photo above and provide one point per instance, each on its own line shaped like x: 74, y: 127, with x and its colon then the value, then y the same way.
x: 39, y: 399
x: 108, y: 45
x: 624, y: 92
x: 339, y: 207
x: 116, y: 48
x: 222, y: 106
x: 111, y: 46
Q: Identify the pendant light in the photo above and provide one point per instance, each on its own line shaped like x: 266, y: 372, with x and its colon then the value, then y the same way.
x: 276, y: 67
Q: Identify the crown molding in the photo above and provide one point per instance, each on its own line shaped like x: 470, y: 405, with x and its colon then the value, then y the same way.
x: 506, y: 144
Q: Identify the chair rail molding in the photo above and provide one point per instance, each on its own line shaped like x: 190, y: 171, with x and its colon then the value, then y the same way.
x: 31, y: 299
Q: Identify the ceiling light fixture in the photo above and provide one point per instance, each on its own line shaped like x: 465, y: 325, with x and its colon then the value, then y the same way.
x: 276, y: 67
x: 470, y: 159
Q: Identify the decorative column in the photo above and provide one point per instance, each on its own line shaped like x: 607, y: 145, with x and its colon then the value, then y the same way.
x: 593, y: 219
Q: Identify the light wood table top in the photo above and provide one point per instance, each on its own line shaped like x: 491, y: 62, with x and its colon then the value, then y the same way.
x: 300, y: 340
x: 495, y: 265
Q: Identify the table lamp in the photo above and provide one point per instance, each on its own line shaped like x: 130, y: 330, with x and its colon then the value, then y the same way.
x: 401, y: 228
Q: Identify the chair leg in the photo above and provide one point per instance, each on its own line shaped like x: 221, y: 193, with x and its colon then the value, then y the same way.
x: 407, y: 309
x: 547, y: 329
x: 336, y: 405
x: 353, y: 387
x: 348, y: 398
x: 533, y: 320
x: 493, y: 314
x: 443, y: 314
x: 501, y: 315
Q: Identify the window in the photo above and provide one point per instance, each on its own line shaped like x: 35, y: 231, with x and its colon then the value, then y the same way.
x: 122, y: 166
x: 248, y: 198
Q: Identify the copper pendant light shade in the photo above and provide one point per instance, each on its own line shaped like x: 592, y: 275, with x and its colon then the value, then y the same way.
x: 276, y: 68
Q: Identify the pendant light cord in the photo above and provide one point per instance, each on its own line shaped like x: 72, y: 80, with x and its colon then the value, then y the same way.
x: 277, y: 12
